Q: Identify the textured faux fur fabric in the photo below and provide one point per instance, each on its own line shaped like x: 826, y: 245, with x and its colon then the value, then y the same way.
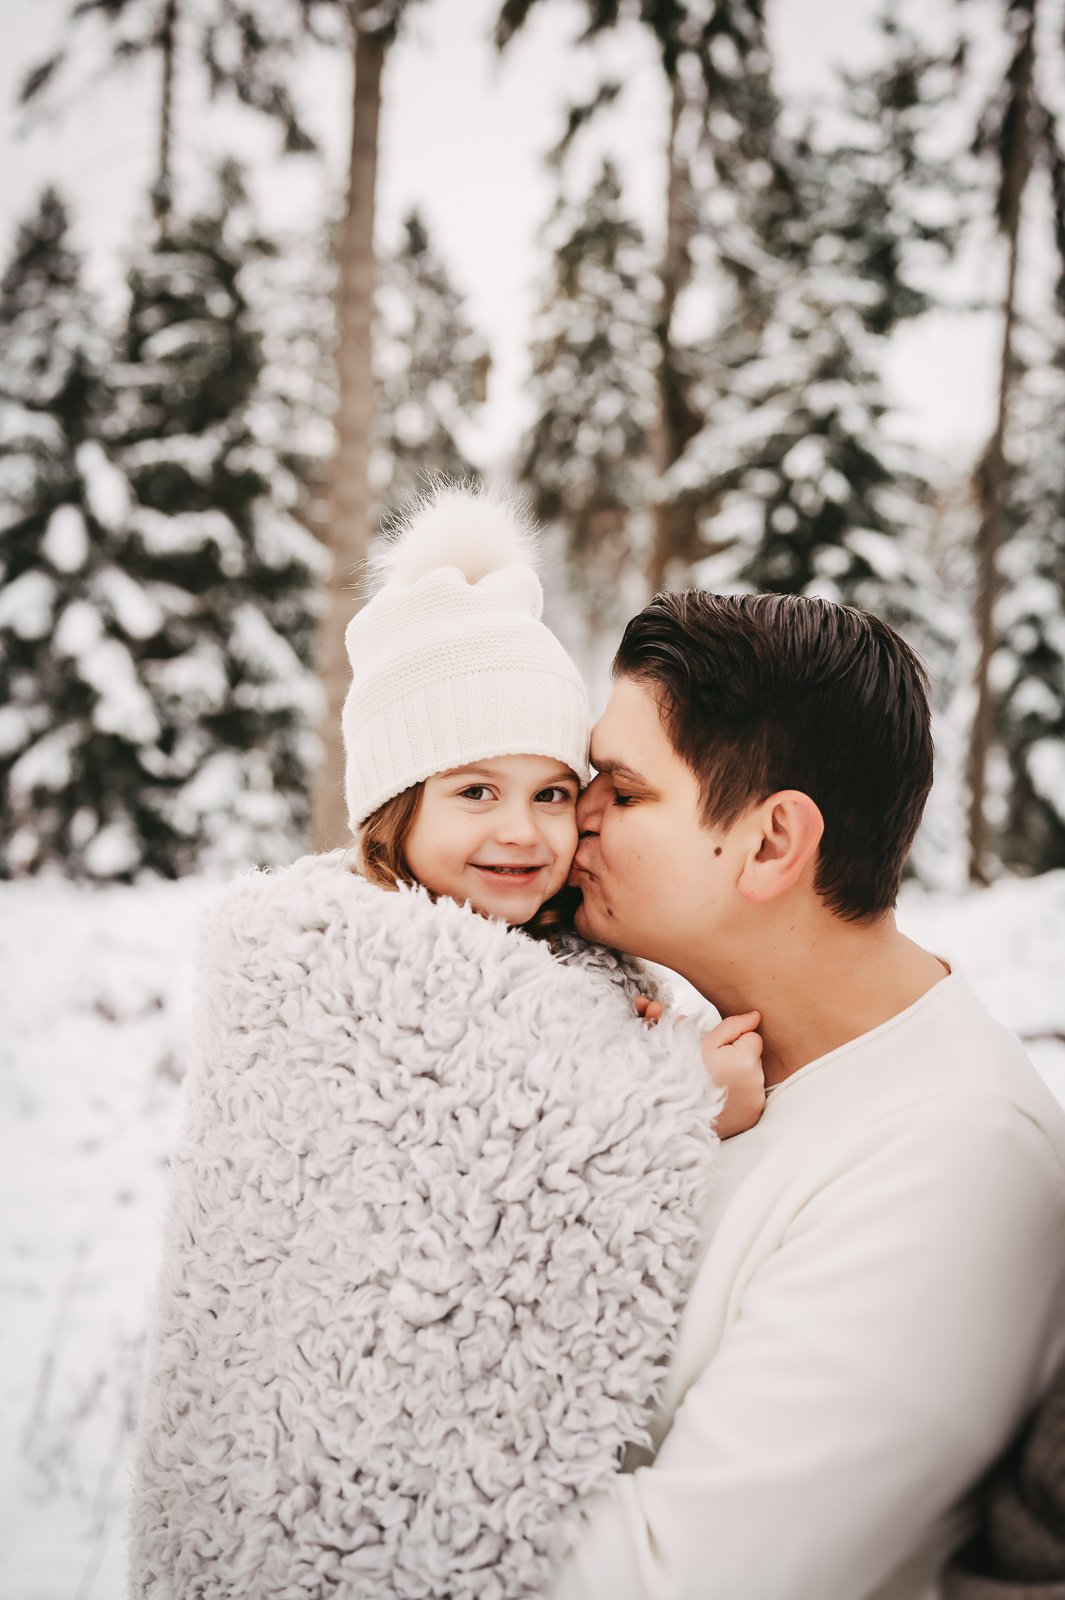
x: 433, y: 1213
x: 1018, y: 1549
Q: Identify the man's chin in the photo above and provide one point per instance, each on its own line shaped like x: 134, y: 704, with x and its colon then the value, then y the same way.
x: 589, y: 925
x: 594, y: 922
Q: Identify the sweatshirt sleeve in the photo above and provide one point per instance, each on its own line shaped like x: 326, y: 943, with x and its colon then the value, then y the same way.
x: 878, y: 1356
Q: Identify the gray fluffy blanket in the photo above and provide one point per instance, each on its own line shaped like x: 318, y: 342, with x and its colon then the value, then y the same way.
x: 433, y: 1212
x: 1018, y: 1550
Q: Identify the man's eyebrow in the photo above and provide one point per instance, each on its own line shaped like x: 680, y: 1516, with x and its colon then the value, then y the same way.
x: 618, y: 769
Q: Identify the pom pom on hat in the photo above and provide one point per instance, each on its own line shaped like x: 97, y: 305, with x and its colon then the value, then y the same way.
x: 475, y: 529
x: 450, y: 661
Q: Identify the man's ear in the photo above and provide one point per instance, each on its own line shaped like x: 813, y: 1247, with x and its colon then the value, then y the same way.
x: 786, y: 832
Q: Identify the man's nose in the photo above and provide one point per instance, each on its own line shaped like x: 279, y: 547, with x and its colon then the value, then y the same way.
x: 590, y: 807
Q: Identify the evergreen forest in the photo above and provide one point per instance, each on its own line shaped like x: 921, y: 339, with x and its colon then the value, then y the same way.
x: 194, y: 466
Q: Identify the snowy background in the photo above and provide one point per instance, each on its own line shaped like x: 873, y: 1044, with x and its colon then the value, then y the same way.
x: 464, y: 140
x: 95, y: 978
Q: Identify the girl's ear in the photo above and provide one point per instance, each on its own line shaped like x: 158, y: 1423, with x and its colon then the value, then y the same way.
x: 787, y: 833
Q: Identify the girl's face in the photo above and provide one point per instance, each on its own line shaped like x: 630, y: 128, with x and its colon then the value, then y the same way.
x: 499, y: 833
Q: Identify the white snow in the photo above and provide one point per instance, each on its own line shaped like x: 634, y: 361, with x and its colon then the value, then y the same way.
x: 91, y: 991
x: 133, y: 605
x: 1033, y: 697
x: 190, y: 530
x: 17, y: 724
x: 181, y: 336
x: 78, y: 629
x: 26, y: 604
x: 46, y: 764
x: 887, y: 557
x: 280, y: 539
x: 94, y: 993
x: 195, y: 680
x: 282, y: 679
x: 210, y: 790
x: 723, y: 441
x: 123, y: 705
x: 66, y: 539
x: 806, y: 460
x: 1046, y: 763
x: 832, y: 562
x: 106, y: 489
x: 113, y: 851
x: 197, y: 452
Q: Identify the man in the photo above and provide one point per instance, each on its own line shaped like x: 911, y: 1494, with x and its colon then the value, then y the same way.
x: 882, y: 1294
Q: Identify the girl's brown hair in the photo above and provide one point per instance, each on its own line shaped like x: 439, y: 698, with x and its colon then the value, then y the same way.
x: 379, y: 849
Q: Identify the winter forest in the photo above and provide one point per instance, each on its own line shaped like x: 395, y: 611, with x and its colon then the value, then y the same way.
x: 194, y: 468
x: 758, y: 296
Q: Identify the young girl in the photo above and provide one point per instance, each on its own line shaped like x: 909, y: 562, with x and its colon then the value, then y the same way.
x: 436, y: 1200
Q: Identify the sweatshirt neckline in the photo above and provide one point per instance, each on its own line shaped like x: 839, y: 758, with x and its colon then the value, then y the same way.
x: 950, y: 982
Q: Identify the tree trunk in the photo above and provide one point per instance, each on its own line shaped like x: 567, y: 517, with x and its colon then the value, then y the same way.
x: 993, y: 476
x: 162, y: 192
x: 674, y: 525
x: 349, y: 501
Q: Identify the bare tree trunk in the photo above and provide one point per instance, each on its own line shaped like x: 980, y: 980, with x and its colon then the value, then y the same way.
x: 163, y: 189
x: 674, y: 526
x: 349, y: 501
x: 993, y: 475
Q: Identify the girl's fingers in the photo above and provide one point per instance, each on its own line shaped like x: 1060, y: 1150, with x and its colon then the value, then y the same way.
x: 729, y: 1029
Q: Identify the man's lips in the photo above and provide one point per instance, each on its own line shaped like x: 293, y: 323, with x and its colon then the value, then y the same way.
x: 577, y: 866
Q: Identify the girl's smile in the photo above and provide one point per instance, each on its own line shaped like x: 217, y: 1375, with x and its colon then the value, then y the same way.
x: 499, y: 834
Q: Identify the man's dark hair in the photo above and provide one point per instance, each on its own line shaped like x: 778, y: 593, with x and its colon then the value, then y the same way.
x: 762, y: 692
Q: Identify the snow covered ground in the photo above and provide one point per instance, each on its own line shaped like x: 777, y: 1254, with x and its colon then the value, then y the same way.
x: 94, y: 995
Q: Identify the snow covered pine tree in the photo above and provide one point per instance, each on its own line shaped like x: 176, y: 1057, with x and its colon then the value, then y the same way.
x: 587, y: 458
x: 159, y: 597
x: 1028, y: 668
x: 69, y: 696
x: 219, y: 576
x: 795, y: 470
x: 431, y: 369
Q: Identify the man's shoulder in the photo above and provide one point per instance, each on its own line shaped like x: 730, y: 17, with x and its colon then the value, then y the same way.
x: 957, y: 1065
x: 945, y: 1060
x: 941, y: 1094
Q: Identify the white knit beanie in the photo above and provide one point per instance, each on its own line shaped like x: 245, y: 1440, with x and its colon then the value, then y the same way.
x: 450, y: 662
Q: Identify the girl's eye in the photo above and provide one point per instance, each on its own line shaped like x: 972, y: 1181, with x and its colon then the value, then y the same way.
x: 555, y: 795
x: 476, y: 791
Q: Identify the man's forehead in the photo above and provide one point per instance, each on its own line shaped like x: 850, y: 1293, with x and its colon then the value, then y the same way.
x: 629, y: 733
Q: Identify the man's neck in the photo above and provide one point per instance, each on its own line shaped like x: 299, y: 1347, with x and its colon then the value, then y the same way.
x: 821, y: 986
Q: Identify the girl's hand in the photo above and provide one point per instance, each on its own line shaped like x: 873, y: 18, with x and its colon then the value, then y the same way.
x: 649, y: 1010
x: 733, y: 1055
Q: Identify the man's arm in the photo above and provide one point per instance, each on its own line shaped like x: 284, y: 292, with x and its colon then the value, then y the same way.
x: 877, y: 1361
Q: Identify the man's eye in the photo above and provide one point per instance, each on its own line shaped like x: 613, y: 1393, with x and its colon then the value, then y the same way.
x: 623, y: 799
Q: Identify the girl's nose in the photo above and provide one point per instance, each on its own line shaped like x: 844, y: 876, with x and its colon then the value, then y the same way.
x: 517, y: 825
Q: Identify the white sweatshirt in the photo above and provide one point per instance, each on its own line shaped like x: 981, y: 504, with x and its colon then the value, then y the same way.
x: 881, y: 1299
